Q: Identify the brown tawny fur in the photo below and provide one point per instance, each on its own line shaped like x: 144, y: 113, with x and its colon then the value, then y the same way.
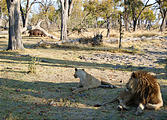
x: 142, y: 89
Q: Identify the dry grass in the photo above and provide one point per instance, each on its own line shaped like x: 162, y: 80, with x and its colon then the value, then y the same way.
x: 142, y: 33
x: 138, y: 33
x: 115, y: 33
x: 46, y: 94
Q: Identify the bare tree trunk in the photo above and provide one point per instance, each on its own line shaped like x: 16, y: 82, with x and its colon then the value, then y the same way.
x: 163, y: 12
x: 64, y: 18
x: 135, y: 18
x: 134, y: 24
x: 15, y: 41
x: 66, y: 8
x: 120, y: 31
x: 96, y: 25
x: 162, y: 26
x: 126, y: 15
x: 22, y: 15
x: 25, y: 16
x: 108, y: 27
x: 1, y: 16
x: 26, y: 19
x: 139, y: 23
x: 27, y: 12
x: 146, y: 23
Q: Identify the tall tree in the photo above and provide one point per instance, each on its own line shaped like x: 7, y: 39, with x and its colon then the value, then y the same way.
x: 163, y: 11
x: 148, y: 16
x: 15, y: 40
x: 106, y: 11
x: 137, y: 7
x: 3, y: 8
x: 45, y: 7
x: 126, y: 14
x: 92, y: 8
x: 3, y: 13
x: 66, y: 8
x: 26, y: 11
x: 77, y: 15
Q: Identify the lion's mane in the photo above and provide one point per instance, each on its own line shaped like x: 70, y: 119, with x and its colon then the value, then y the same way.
x: 144, y: 87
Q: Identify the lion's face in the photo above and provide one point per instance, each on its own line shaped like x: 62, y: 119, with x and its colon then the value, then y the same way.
x: 142, y: 89
x: 79, y: 73
x: 132, y: 83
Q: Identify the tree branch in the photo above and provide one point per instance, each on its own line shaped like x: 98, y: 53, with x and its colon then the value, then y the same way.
x: 70, y: 7
x: 62, y: 4
x: 145, y: 7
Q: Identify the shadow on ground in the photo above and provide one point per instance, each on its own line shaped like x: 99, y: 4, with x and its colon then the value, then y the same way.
x: 161, y: 73
x: 34, y: 100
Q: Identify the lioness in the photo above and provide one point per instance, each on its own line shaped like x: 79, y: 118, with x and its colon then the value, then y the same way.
x: 143, y: 90
x: 87, y: 81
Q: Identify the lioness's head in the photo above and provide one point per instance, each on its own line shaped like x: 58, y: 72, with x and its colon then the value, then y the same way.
x: 132, y: 83
x: 79, y: 73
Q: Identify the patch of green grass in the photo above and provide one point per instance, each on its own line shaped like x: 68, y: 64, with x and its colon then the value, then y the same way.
x: 32, y: 65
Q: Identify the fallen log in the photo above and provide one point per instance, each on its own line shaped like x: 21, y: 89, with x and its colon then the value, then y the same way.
x: 43, y: 43
x: 38, y: 27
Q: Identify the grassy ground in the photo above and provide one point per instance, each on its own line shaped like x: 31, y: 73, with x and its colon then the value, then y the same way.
x: 46, y: 93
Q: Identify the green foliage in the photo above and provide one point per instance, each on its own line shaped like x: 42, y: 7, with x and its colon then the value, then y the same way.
x: 162, y: 3
x: 87, y: 12
x: 3, y: 7
x: 52, y: 13
x: 92, y: 7
x: 148, y: 14
x: 101, y: 9
x: 32, y: 65
x: 47, y: 10
x: 135, y: 7
x: 104, y: 9
x: 77, y: 14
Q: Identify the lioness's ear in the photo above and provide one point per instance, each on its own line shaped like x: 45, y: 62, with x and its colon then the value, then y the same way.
x: 133, y: 75
x: 75, y: 69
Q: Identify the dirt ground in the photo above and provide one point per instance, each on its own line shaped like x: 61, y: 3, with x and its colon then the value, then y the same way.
x: 46, y: 94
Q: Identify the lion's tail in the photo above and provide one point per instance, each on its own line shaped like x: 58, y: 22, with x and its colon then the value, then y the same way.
x: 105, y: 84
x: 154, y: 106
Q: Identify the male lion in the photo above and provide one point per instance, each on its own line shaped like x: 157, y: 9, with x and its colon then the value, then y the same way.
x: 143, y: 90
x: 87, y: 81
